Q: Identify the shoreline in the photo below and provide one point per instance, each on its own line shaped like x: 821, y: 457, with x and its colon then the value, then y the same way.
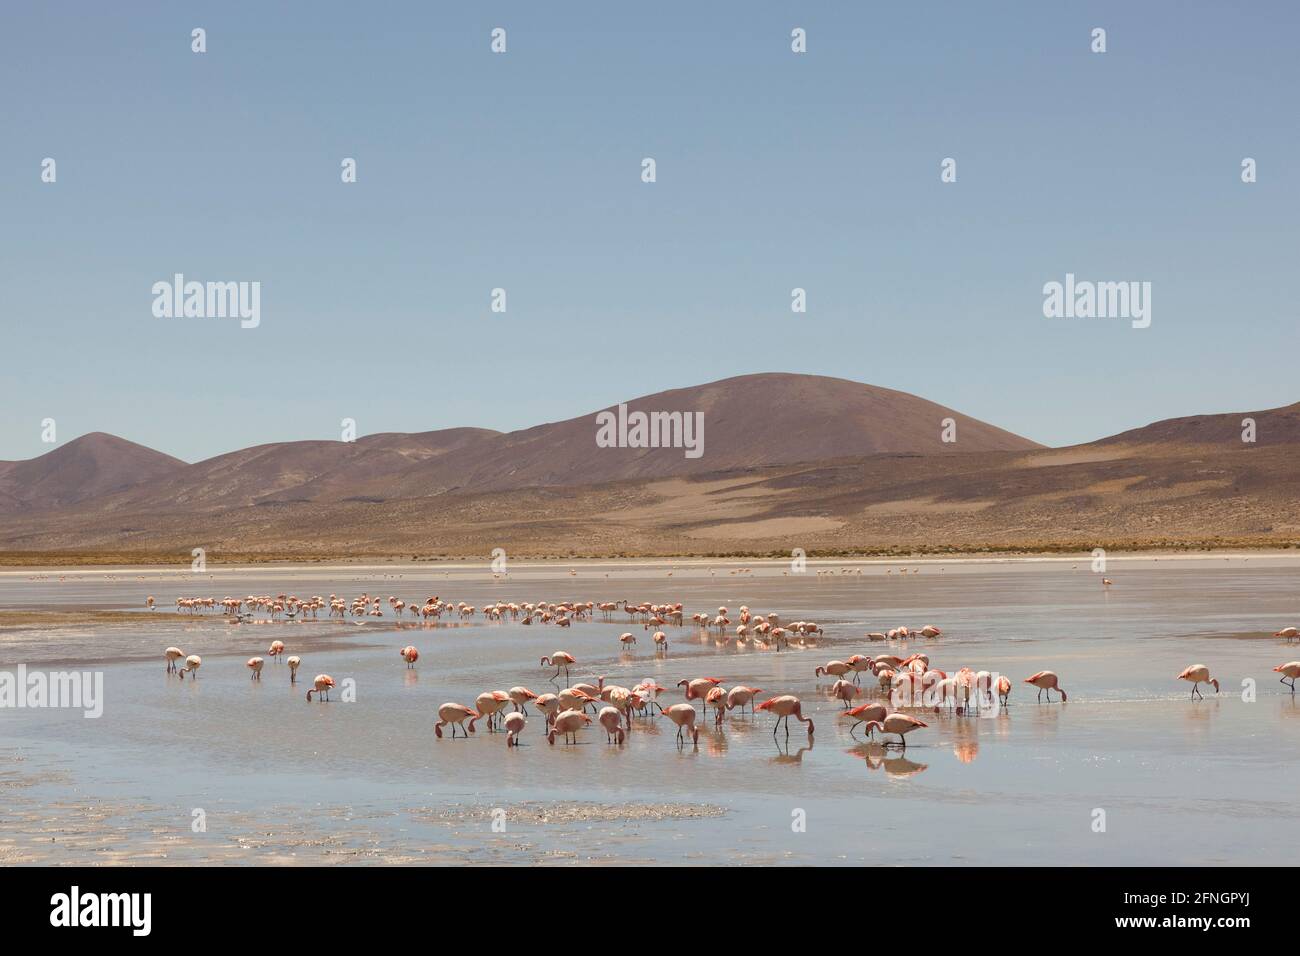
x: 1284, y: 555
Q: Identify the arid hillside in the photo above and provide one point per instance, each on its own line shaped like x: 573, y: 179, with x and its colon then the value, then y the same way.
x: 1184, y: 483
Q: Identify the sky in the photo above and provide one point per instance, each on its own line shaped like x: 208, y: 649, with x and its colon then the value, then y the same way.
x: 522, y: 170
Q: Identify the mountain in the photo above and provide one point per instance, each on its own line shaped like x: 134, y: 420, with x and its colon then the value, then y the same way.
x: 87, y: 467
x: 299, y: 470
x: 788, y: 461
x: 749, y: 421
x: 1274, y: 426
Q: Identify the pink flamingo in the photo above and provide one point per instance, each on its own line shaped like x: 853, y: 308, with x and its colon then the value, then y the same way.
x: 456, y: 715
x: 699, y: 688
x: 866, y: 714
x: 1046, y: 681
x: 321, y: 685
x: 1198, y: 674
x: 1004, y: 689
x: 520, y: 696
x: 567, y: 722
x: 1291, y: 670
x: 684, y: 716
x: 515, y: 723
x: 901, y: 724
x: 740, y: 696
x: 785, y: 707
x: 611, y: 718
x: 561, y: 661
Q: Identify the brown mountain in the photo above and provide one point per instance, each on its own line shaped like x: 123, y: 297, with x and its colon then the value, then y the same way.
x: 87, y: 467
x: 749, y: 421
x: 1273, y: 426
x: 297, y: 471
x: 790, y: 461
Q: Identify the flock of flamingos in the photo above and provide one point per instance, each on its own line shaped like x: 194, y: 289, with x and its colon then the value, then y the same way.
x: 906, y: 683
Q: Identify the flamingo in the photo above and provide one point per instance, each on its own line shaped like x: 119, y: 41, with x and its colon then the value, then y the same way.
x: 191, y: 666
x: 611, y: 718
x: 561, y: 661
x: 1046, y: 681
x: 1198, y: 674
x: 255, y: 665
x: 514, y: 727
x: 173, y: 654
x: 548, y: 704
x: 567, y: 722
x: 661, y: 642
x: 489, y: 704
x: 627, y: 639
x: 832, y: 669
x: 293, y: 663
x: 684, y: 716
x: 321, y: 685
x: 276, y: 649
x: 699, y: 688
x: 741, y: 695
x: 572, y: 698
x: 456, y: 715
x: 845, y: 690
x: 858, y: 664
x: 1288, y: 633
x: 868, y: 714
x: 718, y: 698
x: 410, y: 655
x: 1004, y: 689
x: 901, y: 724
x: 785, y: 707
x: 1291, y: 670
x: 520, y: 696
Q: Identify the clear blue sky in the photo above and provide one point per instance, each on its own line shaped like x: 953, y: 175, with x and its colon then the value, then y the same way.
x: 523, y: 171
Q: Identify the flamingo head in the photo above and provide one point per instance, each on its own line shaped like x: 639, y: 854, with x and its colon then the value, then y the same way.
x: 437, y: 728
x: 1213, y: 681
